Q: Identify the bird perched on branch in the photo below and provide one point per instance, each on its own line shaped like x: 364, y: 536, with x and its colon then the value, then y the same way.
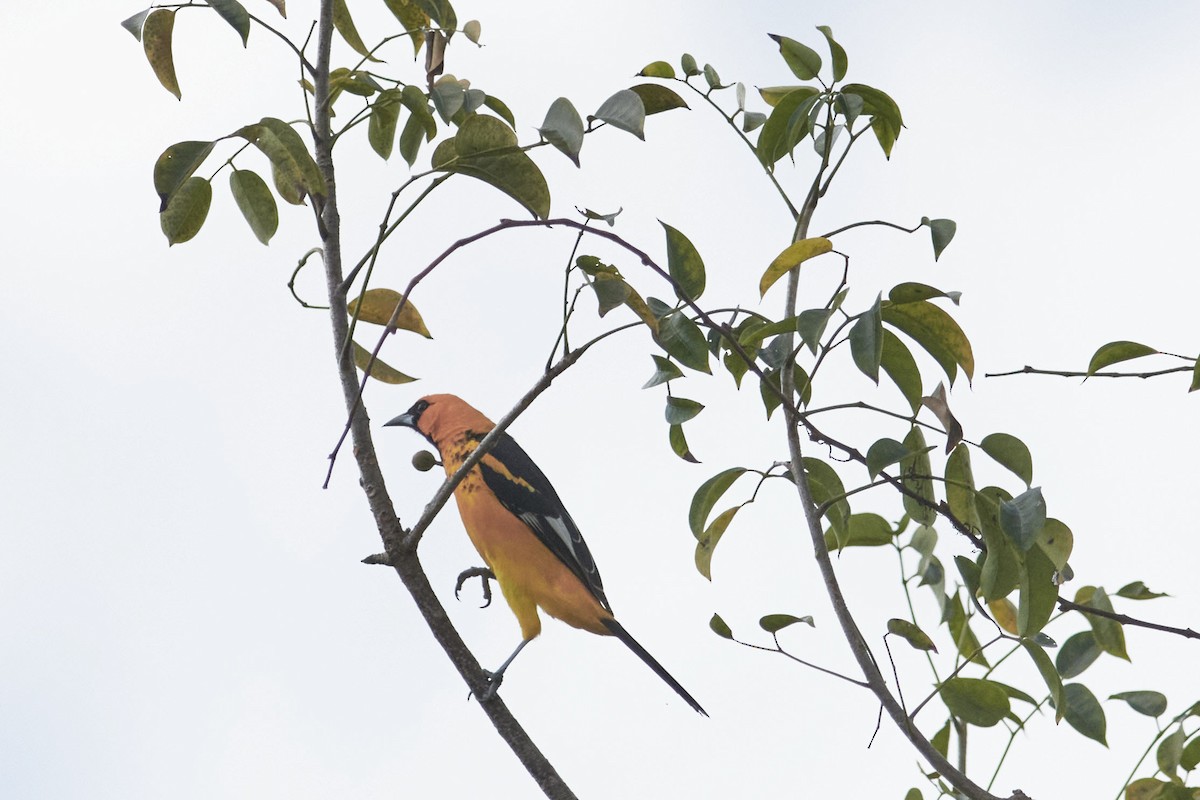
x: 522, y: 530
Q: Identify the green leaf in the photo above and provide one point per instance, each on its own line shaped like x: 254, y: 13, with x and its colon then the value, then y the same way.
x: 774, y: 95
x: 448, y: 97
x: 937, y: 332
x: 1108, y: 632
x: 413, y: 18
x: 1116, y: 352
x: 684, y: 264
x: 379, y: 370
x: 1154, y: 789
x: 1001, y: 566
x: 1138, y: 591
x: 1056, y: 541
x: 965, y: 640
x: 1077, y: 654
x: 683, y: 341
x: 657, y: 69
x: 942, y: 232
x: 866, y: 341
x: 472, y: 30
x: 803, y: 61
x: 485, y: 148
x: 134, y: 24
x: 1170, y: 751
x: 774, y: 623
x: 826, y: 487
x: 353, y: 81
x: 256, y: 203
x: 1195, y: 377
x: 711, y: 77
x: 850, y: 106
x: 176, y: 164
x: 914, y: 292
x: 1022, y: 518
x: 975, y: 701
x: 960, y: 487
x: 1011, y: 453
x: 886, y: 121
x: 664, y: 370
x: 1083, y: 712
x: 780, y: 133
x: 1190, y: 757
x: 792, y: 256
x: 882, y: 454
x: 811, y: 324
x: 941, y: 743
x: 897, y: 362
x: 285, y: 188
x: 708, y: 540
x: 378, y: 305
x: 657, y: 99
x: 156, y: 42
x: 501, y: 110
x: 679, y: 444
x: 611, y: 291
x: 417, y: 103
x: 707, y: 496
x: 687, y: 63
x: 624, y: 111
x: 287, y: 152
x: 916, y: 476
x: 1038, y: 596
x: 1150, y: 703
x: 861, y: 530
x: 381, y: 127
x: 915, y: 793
x: 1045, y: 668
x: 185, y: 213
x: 679, y: 410
x: 235, y: 14
x: 345, y: 26
x: 563, y: 128
x: 719, y: 627
x: 840, y: 61
x: 410, y: 139
x: 910, y: 633
x: 752, y: 121
x: 441, y: 12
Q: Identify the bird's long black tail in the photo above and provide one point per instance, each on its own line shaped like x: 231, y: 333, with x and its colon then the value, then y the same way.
x: 619, y: 631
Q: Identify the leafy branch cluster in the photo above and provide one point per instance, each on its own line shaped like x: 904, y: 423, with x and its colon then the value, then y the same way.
x: 791, y: 357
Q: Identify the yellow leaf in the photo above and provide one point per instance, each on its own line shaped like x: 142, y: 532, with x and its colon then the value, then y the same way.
x: 156, y: 41
x: 638, y: 306
x: 1005, y: 614
x: 793, y: 256
x: 379, y: 370
x: 378, y: 305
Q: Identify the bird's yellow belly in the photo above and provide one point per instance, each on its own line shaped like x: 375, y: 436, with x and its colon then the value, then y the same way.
x: 529, y: 574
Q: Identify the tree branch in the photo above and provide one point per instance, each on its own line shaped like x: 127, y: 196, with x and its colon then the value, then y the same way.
x: 1028, y: 370
x: 1125, y: 619
x: 403, y: 558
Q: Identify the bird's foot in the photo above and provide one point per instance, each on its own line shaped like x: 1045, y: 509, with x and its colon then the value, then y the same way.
x: 476, y: 572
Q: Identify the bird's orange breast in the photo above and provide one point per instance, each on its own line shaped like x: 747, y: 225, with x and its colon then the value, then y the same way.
x: 530, y: 576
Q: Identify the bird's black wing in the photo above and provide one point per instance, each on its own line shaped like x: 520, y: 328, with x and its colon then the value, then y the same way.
x: 526, y: 492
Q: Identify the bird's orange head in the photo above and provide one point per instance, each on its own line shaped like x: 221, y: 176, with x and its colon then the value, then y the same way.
x: 442, y: 417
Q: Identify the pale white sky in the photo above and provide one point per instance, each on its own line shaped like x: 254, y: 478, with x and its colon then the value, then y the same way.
x: 182, y: 609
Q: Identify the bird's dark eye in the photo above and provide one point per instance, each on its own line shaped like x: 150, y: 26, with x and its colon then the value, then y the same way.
x: 417, y: 408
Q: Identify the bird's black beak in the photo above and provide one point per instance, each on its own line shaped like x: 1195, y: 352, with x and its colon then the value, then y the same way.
x: 407, y: 420
x: 410, y: 418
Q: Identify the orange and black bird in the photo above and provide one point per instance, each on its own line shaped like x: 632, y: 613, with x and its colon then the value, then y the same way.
x: 522, y: 530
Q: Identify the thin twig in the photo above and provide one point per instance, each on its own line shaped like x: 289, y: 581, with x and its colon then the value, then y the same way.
x: 1028, y: 370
